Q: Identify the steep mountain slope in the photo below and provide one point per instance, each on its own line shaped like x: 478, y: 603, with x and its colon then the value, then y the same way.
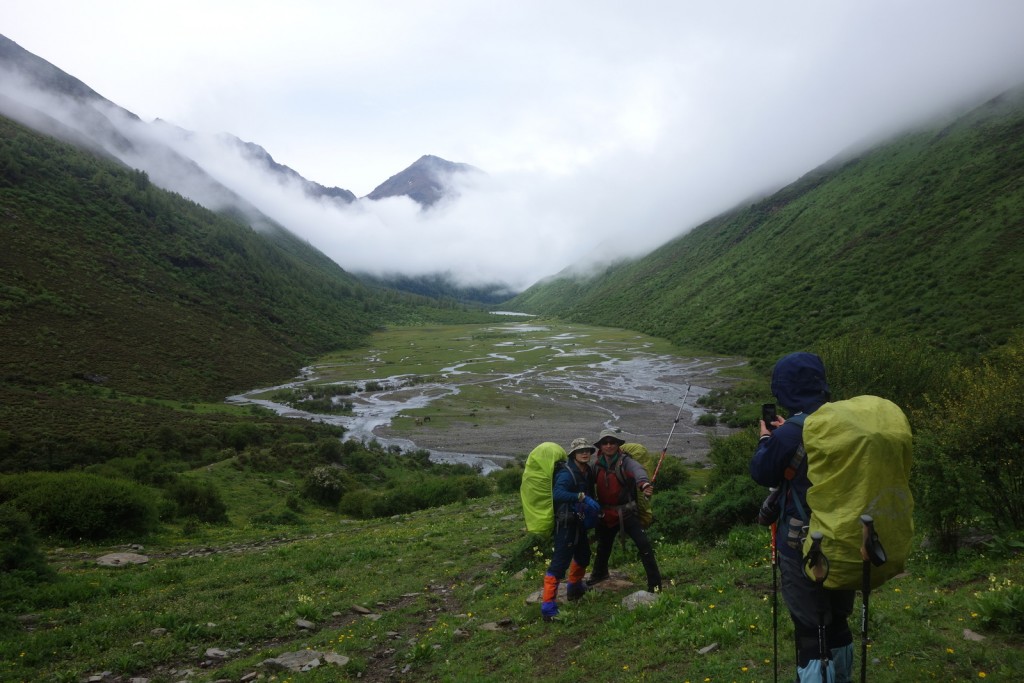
x: 105, y: 275
x: 122, y: 304
x: 921, y: 236
x: 47, y: 99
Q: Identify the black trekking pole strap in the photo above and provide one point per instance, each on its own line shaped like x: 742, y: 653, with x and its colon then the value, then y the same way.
x: 871, y: 549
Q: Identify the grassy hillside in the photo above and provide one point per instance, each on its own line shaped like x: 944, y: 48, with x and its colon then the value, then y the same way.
x: 113, y: 291
x: 446, y: 593
x: 922, y: 236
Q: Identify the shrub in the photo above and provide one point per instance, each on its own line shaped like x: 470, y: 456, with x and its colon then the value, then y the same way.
x: 903, y: 370
x: 1001, y: 607
x: 731, y: 457
x: 327, y: 484
x: 81, y: 506
x: 970, y: 448
x: 675, y: 513
x: 361, y: 504
x: 20, y: 555
x: 672, y: 475
x: 509, y: 479
x: 197, y: 499
x: 707, y: 420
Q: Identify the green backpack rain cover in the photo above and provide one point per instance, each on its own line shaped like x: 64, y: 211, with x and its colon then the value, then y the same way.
x: 858, y: 462
x: 535, y: 491
x: 644, y: 509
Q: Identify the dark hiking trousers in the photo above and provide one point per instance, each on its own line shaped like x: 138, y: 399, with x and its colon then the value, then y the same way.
x: 606, y: 541
x: 571, y: 543
x: 810, y: 605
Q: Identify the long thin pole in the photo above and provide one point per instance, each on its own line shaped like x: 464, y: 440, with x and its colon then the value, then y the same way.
x: 670, y: 432
x: 775, y: 601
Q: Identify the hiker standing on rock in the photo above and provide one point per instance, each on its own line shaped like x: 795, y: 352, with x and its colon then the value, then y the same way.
x: 618, y: 479
x: 575, y: 511
x: 799, y: 385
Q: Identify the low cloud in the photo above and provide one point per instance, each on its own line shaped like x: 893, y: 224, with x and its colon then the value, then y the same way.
x: 603, y: 130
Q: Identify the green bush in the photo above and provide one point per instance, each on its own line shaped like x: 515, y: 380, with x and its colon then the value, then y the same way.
x: 969, y: 449
x: 20, y: 555
x: 732, y: 497
x: 361, y: 504
x: 707, y: 420
x: 327, y: 484
x: 675, y: 514
x: 1001, y: 607
x: 419, y: 493
x: 81, y: 506
x: 903, y: 370
x: 509, y: 479
x: 731, y: 457
x: 198, y: 499
x: 672, y: 475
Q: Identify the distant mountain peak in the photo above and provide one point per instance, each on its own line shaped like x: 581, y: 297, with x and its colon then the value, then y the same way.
x: 425, y: 182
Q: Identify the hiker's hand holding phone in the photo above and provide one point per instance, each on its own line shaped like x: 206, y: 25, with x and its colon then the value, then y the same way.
x: 770, y: 420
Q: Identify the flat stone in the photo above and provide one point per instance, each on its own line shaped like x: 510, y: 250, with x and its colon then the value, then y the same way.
x: 121, y: 559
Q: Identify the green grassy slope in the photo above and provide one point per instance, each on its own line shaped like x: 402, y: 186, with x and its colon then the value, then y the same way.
x: 448, y: 595
x: 103, y: 274
x: 112, y: 291
x: 921, y: 236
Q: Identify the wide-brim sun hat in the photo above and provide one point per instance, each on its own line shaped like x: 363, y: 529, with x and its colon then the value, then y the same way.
x: 609, y: 434
x: 581, y: 444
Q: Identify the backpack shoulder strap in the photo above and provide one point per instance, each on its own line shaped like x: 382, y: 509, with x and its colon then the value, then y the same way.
x: 801, y: 453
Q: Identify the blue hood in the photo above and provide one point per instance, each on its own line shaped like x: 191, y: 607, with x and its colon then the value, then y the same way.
x: 798, y: 382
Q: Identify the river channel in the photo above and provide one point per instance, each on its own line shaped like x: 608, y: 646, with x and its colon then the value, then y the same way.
x: 544, y: 382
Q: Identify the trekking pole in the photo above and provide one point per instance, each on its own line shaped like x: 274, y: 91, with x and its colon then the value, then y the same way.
x: 818, y: 565
x: 871, y: 553
x: 670, y: 432
x: 775, y: 602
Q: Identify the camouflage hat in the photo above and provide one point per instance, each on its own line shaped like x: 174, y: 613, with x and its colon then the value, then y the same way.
x: 609, y: 434
x: 580, y: 444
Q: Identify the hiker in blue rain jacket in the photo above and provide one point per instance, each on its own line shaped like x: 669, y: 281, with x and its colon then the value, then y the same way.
x: 799, y: 385
x: 576, y: 510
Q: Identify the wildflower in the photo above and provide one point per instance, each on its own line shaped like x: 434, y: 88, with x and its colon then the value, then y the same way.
x: 981, y: 674
x: 949, y: 650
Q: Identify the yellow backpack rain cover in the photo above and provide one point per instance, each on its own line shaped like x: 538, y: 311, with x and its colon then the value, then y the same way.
x: 858, y: 462
x: 644, y: 509
x: 535, y: 491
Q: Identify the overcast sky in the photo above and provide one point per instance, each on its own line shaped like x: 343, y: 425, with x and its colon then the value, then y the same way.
x: 605, y: 127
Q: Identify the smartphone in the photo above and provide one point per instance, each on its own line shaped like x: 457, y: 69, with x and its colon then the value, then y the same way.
x: 769, y: 415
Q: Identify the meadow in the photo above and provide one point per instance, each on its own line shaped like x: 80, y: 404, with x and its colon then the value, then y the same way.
x: 442, y: 593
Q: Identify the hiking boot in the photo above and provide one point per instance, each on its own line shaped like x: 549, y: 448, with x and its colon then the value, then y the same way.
x: 575, y: 590
x: 596, y: 579
x: 549, y: 610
